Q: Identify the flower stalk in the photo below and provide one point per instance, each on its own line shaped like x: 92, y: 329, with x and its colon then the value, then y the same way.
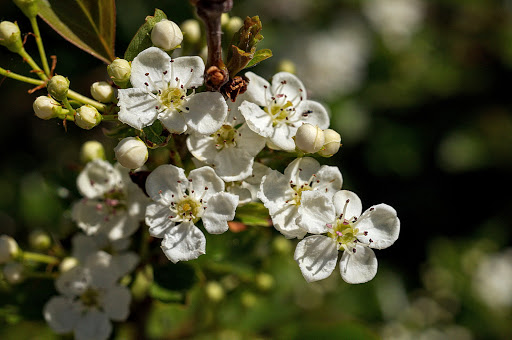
x: 40, y: 47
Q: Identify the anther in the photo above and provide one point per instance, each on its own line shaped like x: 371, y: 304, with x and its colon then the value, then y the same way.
x: 372, y: 209
x: 165, y: 72
x: 147, y: 74
x: 365, y: 233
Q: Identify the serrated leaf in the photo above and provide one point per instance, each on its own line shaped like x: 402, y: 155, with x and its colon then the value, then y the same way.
x: 155, y: 135
x: 259, y: 56
x: 253, y: 214
x: 142, y: 39
x: 88, y: 24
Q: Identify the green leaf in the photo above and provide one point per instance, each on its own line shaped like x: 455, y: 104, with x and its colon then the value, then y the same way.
x: 88, y: 24
x: 259, y: 56
x: 155, y: 135
x: 165, y: 295
x: 253, y: 214
x: 142, y: 38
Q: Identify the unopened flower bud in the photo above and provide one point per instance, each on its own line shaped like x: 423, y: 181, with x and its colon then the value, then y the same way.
x: 120, y: 70
x: 192, y: 30
x: 131, y: 153
x: 92, y: 150
x: 286, y: 65
x: 214, y: 291
x: 13, y: 272
x: 10, y: 36
x: 264, y: 281
x: 44, y: 107
x: 39, y: 240
x: 29, y: 7
x: 331, y: 143
x: 224, y: 19
x: 102, y: 92
x: 8, y: 248
x: 234, y: 25
x: 166, y: 35
x: 309, y: 138
x: 87, y: 117
x: 68, y: 263
x: 58, y: 87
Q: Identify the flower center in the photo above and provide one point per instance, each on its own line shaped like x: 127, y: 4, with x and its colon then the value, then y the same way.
x: 344, y: 233
x: 225, y: 137
x: 90, y: 298
x: 297, y: 196
x: 188, y: 209
x: 279, y: 111
x: 172, y: 98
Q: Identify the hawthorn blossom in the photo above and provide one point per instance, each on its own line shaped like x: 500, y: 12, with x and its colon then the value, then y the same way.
x: 282, y: 193
x: 347, y: 230
x: 180, y: 202
x: 164, y: 89
x: 276, y: 111
x: 90, y: 298
x: 112, y: 205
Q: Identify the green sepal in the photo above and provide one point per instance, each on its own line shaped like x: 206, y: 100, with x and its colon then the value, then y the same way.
x: 259, y: 56
x: 142, y: 39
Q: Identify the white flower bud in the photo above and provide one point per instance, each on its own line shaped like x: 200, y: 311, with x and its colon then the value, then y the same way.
x: 120, y: 70
x: 309, y: 138
x: 331, y: 144
x: 13, y: 272
x: 192, y: 30
x: 214, y: 291
x: 68, y: 263
x: 102, y: 92
x: 92, y: 150
x: 286, y: 65
x: 234, y: 25
x: 44, y: 107
x: 166, y: 35
x: 10, y: 36
x: 39, y: 240
x: 58, y: 87
x: 224, y: 19
x: 87, y: 117
x: 131, y: 153
x: 8, y: 248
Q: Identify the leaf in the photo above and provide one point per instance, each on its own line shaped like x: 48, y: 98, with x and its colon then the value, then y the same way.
x: 259, y: 56
x: 155, y: 135
x: 253, y: 214
x: 142, y: 38
x: 88, y: 24
x: 165, y: 295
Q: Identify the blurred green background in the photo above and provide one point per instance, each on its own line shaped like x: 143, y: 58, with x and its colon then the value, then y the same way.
x: 418, y: 90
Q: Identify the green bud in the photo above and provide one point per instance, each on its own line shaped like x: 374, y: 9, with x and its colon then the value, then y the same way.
x: 58, y: 87
x: 120, y: 71
x: 10, y: 36
x: 29, y: 7
x: 87, y: 117
x: 214, y: 291
x: 13, y: 272
x: 92, y: 150
x: 39, y: 240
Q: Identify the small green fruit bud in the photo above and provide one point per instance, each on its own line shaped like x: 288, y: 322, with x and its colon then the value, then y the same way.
x: 192, y: 30
x: 39, y: 240
x: 331, y: 144
x: 87, y: 117
x: 10, y: 36
x: 214, y: 291
x: 102, y: 92
x: 131, y: 153
x: 29, y: 7
x: 309, y: 138
x: 68, y: 263
x: 45, y: 107
x: 92, y: 150
x: 8, y: 248
x: 166, y: 35
x: 120, y: 71
x: 58, y: 87
x: 13, y: 272
x: 286, y: 65
x: 248, y: 299
x: 264, y: 281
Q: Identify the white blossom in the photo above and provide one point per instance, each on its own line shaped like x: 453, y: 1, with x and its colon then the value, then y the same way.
x: 347, y: 230
x: 248, y: 188
x: 163, y: 88
x: 112, y: 205
x: 276, y: 111
x: 180, y: 202
x: 282, y: 193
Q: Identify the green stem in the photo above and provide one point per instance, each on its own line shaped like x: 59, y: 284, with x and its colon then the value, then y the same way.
x: 19, y: 77
x: 68, y: 106
x: 109, y: 117
x: 29, y: 256
x: 40, y: 47
x: 175, y: 155
x: 33, y: 64
x: 83, y: 99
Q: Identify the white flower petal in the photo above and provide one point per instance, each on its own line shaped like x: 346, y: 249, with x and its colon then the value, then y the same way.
x: 137, y: 107
x: 153, y: 62
x: 354, y: 207
x: 207, y: 112
x: 183, y: 242
x: 233, y: 164
x: 328, y: 180
x: 220, y: 209
x: 73, y: 282
x: 315, y: 211
x: 258, y: 89
x: 316, y: 256
x: 116, y: 303
x: 164, y: 181
x: 234, y: 116
x: 202, y: 147
x: 358, y: 267
x: 203, y: 178
x: 157, y: 218
x: 61, y: 314
x: 258, y: 120
x: 83, y: 246
x: 173, y: 121
x: 97, y: 178
x: 313, y: 113
x: 101, y: 270
x: 89, y: 215
x: 125, y: 263
x: 274, y: 191
x: 244, y: 194
x: 301, y: 170
x: 289, y: 85
x: 382, y: 225
x: 282, y: 137
x: 285, y: 222
x: 119, y: 225
x: 189, y: 71
x: 249, y: 140
x: 93, y: 325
